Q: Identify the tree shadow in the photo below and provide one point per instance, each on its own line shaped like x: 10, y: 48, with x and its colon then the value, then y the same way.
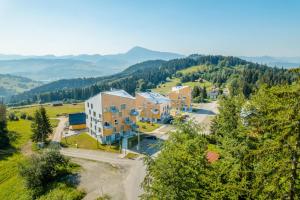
x: 8, y: 150
x: 203, y: 111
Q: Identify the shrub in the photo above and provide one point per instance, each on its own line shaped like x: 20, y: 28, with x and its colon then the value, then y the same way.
x: 23, y: 115
x: 12, y: 117
x: 29, y: 117
x: 42, y: 169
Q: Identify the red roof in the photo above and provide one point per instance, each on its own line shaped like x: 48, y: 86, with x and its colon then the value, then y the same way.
x: 212, y: 156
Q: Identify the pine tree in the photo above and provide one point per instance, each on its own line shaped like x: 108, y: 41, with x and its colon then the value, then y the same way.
x: 41, y: 126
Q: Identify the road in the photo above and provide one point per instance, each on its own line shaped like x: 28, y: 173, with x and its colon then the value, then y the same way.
x: 136, y: 173
x: 205, y: 112
x: 59, y: 129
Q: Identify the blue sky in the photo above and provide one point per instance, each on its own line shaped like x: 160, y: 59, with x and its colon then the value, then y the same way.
x: 228, y: 27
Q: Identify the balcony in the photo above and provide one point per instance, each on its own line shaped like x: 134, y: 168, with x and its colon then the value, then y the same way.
x: 113, y: 109
x: 107, y: 126
x: 134, y: 112
x: 128, y: 121
x: 155, y: 111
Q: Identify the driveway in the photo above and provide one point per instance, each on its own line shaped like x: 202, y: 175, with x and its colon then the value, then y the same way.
x: 59, y: 129
x: 131, y: 180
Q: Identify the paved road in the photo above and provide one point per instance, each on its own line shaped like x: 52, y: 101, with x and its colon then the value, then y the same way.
x: 204, y: 114
x: 136, y: 172
x: 59, y: 129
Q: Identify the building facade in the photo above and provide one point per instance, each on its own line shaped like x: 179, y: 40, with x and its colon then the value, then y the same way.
x: 152, y: 106
x: 181, y: 98
x: 111, y: 115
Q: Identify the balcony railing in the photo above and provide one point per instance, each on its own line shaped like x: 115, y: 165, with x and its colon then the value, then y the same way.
x: 107, y: 126
x: 128, y: 121
x: 155, y: 111
x: 134, y: 112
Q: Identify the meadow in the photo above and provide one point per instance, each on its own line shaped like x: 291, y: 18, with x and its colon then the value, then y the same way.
x: 11, y: 183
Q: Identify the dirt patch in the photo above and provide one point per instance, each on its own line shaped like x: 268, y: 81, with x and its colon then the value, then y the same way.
x: 99, y: 178
x: 27, y: 149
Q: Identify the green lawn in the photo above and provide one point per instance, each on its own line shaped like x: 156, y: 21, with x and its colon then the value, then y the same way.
x: 147, y: 127
x: 52, y: 111
x: 11, y: 183
x: 85, y: 141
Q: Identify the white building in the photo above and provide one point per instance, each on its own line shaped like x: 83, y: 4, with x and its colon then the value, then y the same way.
x: 111, y: 115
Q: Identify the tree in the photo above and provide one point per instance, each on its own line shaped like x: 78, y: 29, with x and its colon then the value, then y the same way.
x: 195, y: 92
x: 180, y: 171
x: 4, y: 140
x: 41, y: 126
x: 42, y: 169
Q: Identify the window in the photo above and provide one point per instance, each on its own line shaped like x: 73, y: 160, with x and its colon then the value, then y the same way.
x: 100, y: 116
x: 116, y: 122
x: 88, y: 104
x: 120, y: 114
x: 115, y: 130
x: 106, y: 124
x: 94, y: 113
x: 90, y: 112
x: 99, y: 130
x: 91, y: 105
x: 95, y: 127
x: 123, y: 106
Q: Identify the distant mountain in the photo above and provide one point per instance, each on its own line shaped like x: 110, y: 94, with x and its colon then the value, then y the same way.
x: 285, y: 62
x: 50, y: 67
x: 12, y: 85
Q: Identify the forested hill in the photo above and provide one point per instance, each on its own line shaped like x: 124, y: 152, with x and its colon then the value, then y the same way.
x: 242, y: 76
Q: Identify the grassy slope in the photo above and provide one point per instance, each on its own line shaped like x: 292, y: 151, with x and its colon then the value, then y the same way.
x: 11, y: 184
x: 85, y: 141
x: 166, y: 87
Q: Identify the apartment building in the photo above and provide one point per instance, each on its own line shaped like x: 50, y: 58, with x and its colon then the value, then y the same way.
x: 110, y: 115
x: 152, y: 106
x: 181, y: 98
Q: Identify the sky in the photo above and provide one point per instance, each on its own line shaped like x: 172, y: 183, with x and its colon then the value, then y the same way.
x: 227, y: 27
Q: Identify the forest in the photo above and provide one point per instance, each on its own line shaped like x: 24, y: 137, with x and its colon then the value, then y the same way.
x: 239, y: 74
x: 257, y: 143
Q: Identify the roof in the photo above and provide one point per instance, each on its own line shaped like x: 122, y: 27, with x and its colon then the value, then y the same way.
x: 154, y: 97
x: 77, y: 118
x: 212, y: 156
x: 120, y: 93
x: 176, y: 88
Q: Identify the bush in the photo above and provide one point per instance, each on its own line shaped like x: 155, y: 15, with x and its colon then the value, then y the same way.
x: 23, y: 115
x: 42, y: 169
x: 29, y: 117
x: 12, y: 117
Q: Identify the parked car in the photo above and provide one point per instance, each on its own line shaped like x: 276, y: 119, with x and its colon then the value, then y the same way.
x: 151, y: 137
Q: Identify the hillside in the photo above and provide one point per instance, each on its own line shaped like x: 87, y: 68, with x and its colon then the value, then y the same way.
x: 12, y: 85
x: 50, y: 68
x: 240, y: 75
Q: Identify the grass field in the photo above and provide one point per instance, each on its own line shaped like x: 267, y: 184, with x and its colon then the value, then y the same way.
x: 52, y: 111
x: 147, y: 127
x: 11, y: 183
x: 85, y: 141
